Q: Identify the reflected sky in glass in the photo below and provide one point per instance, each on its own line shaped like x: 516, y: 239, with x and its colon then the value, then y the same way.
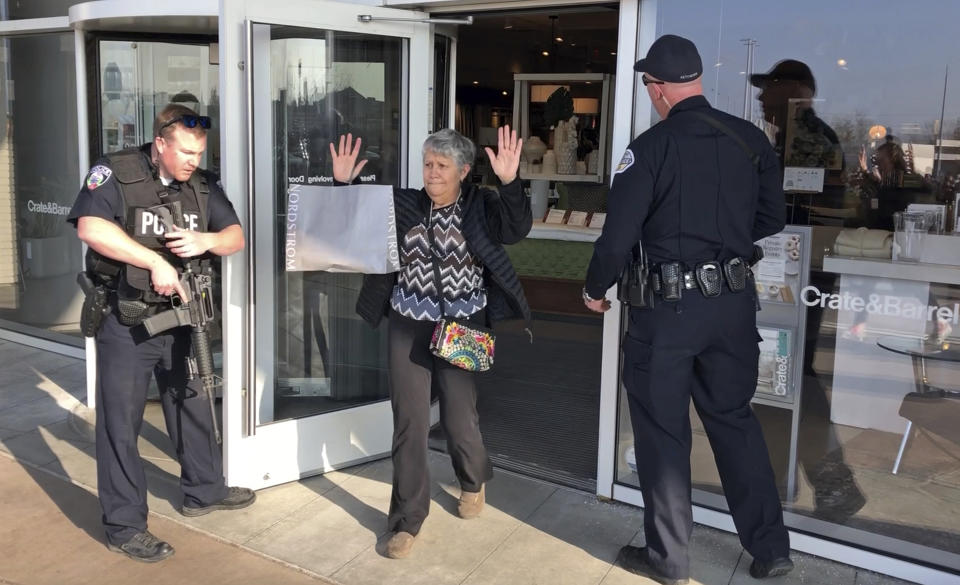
x: 881, y: 58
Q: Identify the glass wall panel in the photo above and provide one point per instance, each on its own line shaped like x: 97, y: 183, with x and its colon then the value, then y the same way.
x: 862, y: 105
x: 17, y: 9
x: 39, y: 253
x: 138, y: 79
x: 324, y: 84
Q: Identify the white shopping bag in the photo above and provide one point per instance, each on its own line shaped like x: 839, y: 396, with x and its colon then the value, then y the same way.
x: 351, y: 228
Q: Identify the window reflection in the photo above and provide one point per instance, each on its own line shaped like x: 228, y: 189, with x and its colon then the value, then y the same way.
x: 39, y: 254
x: 876, y: 118
x: 325, y: 84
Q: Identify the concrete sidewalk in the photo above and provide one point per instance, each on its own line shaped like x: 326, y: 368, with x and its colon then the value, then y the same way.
x: 323, y: 529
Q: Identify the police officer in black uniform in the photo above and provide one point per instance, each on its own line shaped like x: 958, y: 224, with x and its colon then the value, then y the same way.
x: 139, y: 263
x: 696, y: 195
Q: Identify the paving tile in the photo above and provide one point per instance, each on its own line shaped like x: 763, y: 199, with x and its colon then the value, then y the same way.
x: 73, y: 379
x: 865, y: 577
x: 21, y: 390
x: 273, y: 506
x: 572, y: 538
x: 713, y: 558
x: 33, y: 414
x: 45, y: 445
x: 24, y: 359
x: 78, y: 466
x: 808, y: 570
x: 333, y: 528
x: 164, y: 495
x: 82, y: 421
x: 449, y: 548
x: 7, y: 433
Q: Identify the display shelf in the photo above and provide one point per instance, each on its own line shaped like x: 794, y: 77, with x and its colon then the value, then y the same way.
x: 566, y: 178
x: 886, y: 268
x: 602, y: 105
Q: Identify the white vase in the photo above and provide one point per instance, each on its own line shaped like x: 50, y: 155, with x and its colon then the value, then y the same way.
x: 549, y: 163
x: 565, y: 145
x: 533, y: 149
x: 566, y: 160
x: 592, y: 158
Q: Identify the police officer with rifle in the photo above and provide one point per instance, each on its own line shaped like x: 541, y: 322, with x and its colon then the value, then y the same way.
x: 153, y: 220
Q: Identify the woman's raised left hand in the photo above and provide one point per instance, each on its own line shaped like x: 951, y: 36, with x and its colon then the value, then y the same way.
x: 506, y: 161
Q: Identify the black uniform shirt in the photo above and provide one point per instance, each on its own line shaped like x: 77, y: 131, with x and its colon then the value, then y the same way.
x: 100, y: 197
x: 690, y: 193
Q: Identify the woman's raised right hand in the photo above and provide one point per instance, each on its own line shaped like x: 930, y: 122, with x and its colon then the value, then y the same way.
x: 345, y: 165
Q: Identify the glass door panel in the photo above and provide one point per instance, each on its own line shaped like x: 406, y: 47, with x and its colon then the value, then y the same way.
x: 323, y: 84
x: 309, y: 392
x: 137, y: 79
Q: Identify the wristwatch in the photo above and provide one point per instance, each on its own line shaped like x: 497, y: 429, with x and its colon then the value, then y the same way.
x: 586, y: 297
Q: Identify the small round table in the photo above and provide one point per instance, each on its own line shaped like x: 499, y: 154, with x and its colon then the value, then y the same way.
x: 920, y: 350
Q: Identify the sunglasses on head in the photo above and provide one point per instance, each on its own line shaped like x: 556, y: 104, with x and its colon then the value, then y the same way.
x: 647, y: 81
x: 190, y: 121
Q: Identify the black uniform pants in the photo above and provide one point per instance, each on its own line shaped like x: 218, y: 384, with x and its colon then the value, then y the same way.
x: 704, y: 348
x: 412, y: 371
x: 125, y: 363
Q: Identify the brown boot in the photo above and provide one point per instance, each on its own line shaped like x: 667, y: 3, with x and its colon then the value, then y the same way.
x: 471, y: 503
x: 400, y: 544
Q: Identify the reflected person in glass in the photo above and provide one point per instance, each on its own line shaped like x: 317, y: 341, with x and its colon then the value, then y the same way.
x: 462, y: 228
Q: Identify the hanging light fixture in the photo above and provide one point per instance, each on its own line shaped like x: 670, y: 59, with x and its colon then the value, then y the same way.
x: 112, y: 81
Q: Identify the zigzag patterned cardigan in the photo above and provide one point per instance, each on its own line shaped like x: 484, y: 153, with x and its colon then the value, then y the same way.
x: 490, y: 220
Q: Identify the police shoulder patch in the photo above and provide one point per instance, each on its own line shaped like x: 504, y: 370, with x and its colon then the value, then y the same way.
x: 97, y: 176
x: 625, y: 163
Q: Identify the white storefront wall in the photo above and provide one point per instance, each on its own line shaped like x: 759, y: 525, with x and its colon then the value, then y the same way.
x: 637, y: 30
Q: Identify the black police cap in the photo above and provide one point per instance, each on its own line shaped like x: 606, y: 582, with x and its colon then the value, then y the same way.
x: 786, y: 70
x: 672, y: 59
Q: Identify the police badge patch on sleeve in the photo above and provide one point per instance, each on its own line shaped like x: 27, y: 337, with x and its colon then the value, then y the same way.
x: 97, y: 176
x: 625, y: 163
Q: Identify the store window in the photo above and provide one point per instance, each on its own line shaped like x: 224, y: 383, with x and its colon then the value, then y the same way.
x: 861, y: 304
x: 19, y: 9
x: 39, y: 253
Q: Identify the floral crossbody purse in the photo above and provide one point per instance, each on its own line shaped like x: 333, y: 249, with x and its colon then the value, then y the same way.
x: 458, y: 341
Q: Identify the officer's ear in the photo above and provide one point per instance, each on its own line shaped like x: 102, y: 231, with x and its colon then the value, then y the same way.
x: 159, y: 143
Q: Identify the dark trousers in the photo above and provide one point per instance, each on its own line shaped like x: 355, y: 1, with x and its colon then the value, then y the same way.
x: 125, y: 363
x: 412, y: 371
x: 705, y: 349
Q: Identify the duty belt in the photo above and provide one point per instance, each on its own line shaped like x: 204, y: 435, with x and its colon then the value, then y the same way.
x: 670, y: 279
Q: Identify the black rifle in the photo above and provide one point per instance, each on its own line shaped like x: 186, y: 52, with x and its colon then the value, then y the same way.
x: 195, y: 311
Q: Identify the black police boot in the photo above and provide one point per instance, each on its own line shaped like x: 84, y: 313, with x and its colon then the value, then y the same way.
x: 237, y: 497
x: 763, y: 569
x: 144, y: 547
x: 634, y: 559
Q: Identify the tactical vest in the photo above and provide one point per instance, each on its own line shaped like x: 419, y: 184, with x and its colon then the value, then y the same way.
x: 141, y: 189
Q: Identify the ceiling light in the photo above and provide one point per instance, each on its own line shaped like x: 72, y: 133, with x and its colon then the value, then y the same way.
x: 614, y: 53
x: 504, y: 93
x: 545, y: 53
x: 558, y: 39
x: 476, y: 83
